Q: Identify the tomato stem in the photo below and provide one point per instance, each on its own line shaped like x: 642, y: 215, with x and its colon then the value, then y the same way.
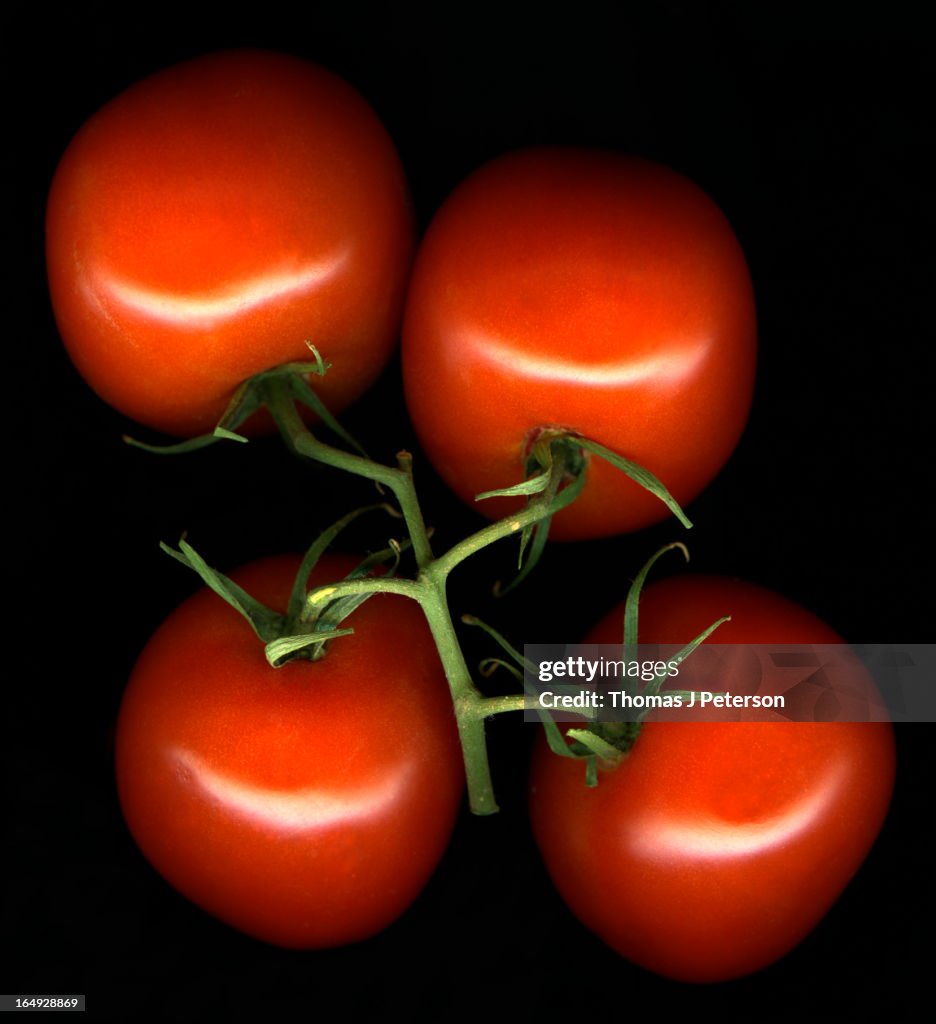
x: 511, y: 526
x: 320, y: 596
x: 466, y: 698
x: 470, y: 707
x: 429, y: 588
x: 489, y: 706
x: 399, y: 480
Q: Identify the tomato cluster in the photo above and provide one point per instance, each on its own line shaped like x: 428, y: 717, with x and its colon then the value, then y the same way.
x: 219, y: 218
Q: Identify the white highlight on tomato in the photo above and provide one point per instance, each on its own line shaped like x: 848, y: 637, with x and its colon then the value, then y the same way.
x: 655, y: 367
x: 314, y: 807
x: 199, y: 312
x: 719, y: 838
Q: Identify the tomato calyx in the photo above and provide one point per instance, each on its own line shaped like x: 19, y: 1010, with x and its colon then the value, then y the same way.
x: 554, y: 478
x: 256, y: 393
x: 548, y: 449
x: 313, y: 619
x: 606, y: 744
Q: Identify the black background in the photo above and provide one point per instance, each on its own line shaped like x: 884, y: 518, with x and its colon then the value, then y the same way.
x: 809, y: 131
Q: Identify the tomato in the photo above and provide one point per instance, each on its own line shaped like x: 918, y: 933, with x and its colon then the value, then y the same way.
x: 306, y: 805
x: 584, y: 290
x: 212, y: 218
x: 714, y: 847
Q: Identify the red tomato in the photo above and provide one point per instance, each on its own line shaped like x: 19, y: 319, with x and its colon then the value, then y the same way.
x: 306, y: 805
x: 714, y: 847
x: 212, y: 218
x: 585, y: 290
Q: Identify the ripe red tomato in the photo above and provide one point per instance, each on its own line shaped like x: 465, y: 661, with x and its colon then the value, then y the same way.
x: 306, y: 805
x: 212, y: 218
x: 714, y: 847
x: 586, y: 290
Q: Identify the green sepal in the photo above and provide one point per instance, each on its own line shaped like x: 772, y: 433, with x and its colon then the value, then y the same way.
x: 267, y: 624
x: 319, y: 366
x: 177, y: 448
x: 249, y: 397
x: 282, y: 634
x: 245, y: 401
x: 610, y: 741
x: 633, y: 594
x: 535, y: 536
x: 543, y: 487
x: 310, y: 559
x: 503, y: 643
x: 620, y: 736
x: 554, y: 737
x: 337, y: 611
x: 285, y: 648
x: 329, y: 614
x: 223, y: 434
x: 532, y: 485
x: 639, y: 475
x: 304, y: 393
x: 595, y: 744
x: 488, y: 666
x: 557, y: 742
x: 579, y: 751
x: 691, y: 646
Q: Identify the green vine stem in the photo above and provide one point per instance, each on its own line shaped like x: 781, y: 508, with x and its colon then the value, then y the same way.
x: 279, y: 400
x: 429, y: 587
x: 471, y: 708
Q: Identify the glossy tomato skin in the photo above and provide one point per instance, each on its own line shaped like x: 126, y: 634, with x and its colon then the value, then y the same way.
x: 306, y: 806
x: 716, y: 846
x: 212, y: 218
x: 587, y: 290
